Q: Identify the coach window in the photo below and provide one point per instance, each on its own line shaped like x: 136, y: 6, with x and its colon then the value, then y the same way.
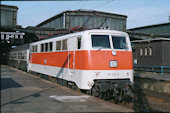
x: 51, y: 46
x: 64, y: 45
x: 58, y: 45
x: 79, y: 42
x: 46, y: 47
x: 32, y: 48
x: 36, y: 48
x: 42, y: 47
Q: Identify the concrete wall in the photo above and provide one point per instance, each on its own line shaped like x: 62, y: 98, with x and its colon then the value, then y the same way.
x: 161, y: 86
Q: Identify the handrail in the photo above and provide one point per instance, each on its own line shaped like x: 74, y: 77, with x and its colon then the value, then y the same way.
x: 163, y: 69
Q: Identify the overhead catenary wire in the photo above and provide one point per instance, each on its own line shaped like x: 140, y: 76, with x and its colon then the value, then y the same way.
x: 101, y: 5
x: 140, y: 5
x: 144, y: 9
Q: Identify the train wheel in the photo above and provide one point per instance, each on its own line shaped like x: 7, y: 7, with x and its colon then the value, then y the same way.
x: 95, y: 92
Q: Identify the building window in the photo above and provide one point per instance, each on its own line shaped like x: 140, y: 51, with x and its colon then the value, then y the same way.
x: 146, y: 51
x: 141, y: 51
x: 150, y: 51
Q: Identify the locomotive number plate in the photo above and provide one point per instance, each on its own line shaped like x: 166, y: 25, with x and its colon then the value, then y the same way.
x: 113, y: 63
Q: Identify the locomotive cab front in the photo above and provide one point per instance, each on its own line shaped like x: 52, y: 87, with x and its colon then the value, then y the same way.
x: 110, y: 64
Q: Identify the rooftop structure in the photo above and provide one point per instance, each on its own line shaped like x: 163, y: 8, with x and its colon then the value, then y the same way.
x: 8, y: 15
x: 150, y: 32
x: 85, y: 19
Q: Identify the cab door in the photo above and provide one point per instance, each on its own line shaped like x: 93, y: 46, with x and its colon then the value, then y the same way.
x: 72, y: 47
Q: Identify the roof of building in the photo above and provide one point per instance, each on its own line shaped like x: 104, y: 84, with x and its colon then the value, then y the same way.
x: 148, y: 26
x: 76, y: 11
x: 8, y: 6
x: 149, y: 40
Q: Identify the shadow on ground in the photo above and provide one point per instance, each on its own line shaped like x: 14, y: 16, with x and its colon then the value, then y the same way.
x: 8, y: 83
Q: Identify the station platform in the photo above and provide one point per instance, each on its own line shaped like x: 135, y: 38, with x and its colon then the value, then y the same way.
x: 153, y: 81
x: 22, y: 92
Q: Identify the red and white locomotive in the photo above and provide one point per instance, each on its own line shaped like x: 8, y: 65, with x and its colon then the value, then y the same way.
x: 99, y: 61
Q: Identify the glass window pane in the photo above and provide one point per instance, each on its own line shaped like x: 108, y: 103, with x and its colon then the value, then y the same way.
x: 58, y: 45
x: 79, y: 42
x: 46, y: 47
x: 42, y: 47
x: 150, y: 51
x: 36, y: 48
x: 141, y: 51
x: 146, y: 52
x: 100, y: 41
x: 32, y: 48
x: 51, y: 46
x: 64, y: 45
x: 119, y: 42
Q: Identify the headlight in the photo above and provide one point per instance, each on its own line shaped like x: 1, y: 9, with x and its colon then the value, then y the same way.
x: 113, y: 63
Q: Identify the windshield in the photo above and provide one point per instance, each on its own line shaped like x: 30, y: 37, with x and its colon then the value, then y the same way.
x: 100, y: 41
x: 119, y: 42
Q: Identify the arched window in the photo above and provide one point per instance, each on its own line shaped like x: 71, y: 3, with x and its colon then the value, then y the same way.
x: 141, y: 51
x: 146, y: 51
x: 150, y: 51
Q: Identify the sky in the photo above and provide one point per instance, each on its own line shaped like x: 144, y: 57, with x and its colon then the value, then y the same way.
x: 139, y: 12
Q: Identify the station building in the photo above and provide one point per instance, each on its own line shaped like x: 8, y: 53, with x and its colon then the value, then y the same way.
x: 13, y: 34
x: 86, y: 18
x: 152, y: 55
x: 151, y: 47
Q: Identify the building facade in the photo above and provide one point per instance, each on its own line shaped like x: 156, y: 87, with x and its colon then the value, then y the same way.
x: 152, y: 55
x: 8, y: 15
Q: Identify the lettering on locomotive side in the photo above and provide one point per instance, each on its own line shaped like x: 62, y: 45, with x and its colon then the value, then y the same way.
x: 113, y: 74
